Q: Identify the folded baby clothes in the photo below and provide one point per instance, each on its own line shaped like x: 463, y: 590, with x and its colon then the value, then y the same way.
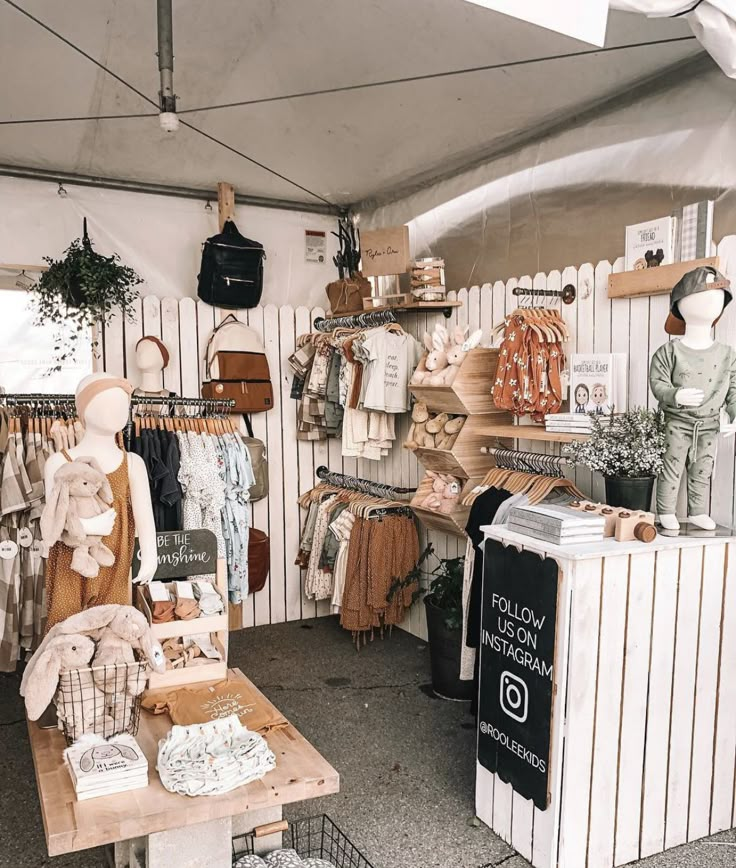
x: 210, y: 602
x: 207, y: 759
x: 187, y: 609
x: 163, y: 611
x: 200, y: 704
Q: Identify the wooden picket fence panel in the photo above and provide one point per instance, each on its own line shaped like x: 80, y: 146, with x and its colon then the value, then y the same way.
x: 596, y: 324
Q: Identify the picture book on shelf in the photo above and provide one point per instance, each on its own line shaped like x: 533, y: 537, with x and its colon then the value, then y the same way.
x: 650, y: 244
x: 598, y: 383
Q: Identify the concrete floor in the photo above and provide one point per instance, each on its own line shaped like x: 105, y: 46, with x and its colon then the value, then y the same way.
x: 406, y: 760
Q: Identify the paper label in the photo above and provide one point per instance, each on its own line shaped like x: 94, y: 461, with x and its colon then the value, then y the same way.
x: 25, y: 537
x: 159, y: 592
x: 315, y: 245
x: 8, y: 550
x: 184, y: 590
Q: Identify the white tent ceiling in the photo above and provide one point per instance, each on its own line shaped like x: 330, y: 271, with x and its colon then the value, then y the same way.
x: 372, y: 144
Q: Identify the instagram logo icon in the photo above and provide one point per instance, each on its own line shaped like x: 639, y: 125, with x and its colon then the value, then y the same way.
x: 514, y: 697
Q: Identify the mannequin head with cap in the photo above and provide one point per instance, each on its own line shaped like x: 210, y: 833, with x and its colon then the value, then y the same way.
x: 103, y: 403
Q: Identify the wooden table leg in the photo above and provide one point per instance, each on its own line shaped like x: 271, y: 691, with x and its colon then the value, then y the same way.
x: 205, y: 845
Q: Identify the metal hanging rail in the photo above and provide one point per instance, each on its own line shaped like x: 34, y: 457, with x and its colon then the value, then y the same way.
x: 567, y: 293
x: 213, y: 404
x: 529, y: 462
x: 367, y: 319
x: 355, y: 483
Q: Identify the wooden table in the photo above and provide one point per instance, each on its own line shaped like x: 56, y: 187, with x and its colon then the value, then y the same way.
x: 165, y: 828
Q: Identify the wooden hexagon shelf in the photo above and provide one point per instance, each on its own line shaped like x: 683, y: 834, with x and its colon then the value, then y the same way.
x: 453, y: 522
x: 465, y: 459
x: 470, y: 392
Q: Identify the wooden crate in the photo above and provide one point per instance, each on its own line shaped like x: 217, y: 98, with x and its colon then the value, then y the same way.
x: 215, y: 625
x: 465, y: 459
x: 470, y: 393
x: 452, y: 523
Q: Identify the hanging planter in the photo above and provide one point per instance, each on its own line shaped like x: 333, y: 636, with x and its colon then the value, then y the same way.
x: 80, y: 290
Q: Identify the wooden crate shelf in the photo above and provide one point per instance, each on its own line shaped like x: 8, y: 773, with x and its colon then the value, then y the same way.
x: 653, y: 281
x: 470, y: 393
x: 465, y: 459
x: 453, y: 523
x: 529, y: 432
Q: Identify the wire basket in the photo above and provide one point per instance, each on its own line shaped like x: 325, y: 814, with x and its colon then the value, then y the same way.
x: 105, y: 700
x: 316, y: 838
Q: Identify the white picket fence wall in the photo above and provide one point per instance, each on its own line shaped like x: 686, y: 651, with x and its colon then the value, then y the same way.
x: 596, y: 324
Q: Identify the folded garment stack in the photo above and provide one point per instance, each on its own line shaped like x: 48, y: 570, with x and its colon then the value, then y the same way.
x: 208, y: 759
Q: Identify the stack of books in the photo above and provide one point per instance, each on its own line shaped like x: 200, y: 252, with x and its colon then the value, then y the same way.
x: 685, y: 235
x: 572, y: 423
x: 557, y: 524
x: 101, y: 768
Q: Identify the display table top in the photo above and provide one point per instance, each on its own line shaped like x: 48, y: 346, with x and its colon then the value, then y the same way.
x: 607, y: 547
x: 301, y: 773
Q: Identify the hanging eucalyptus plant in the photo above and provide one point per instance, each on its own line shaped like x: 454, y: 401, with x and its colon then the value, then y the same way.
x: 80, y: 290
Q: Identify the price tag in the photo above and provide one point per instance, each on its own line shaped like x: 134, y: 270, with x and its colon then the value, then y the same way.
x: 25, y: 537
x: 8, y: 550
x: 37, y: 548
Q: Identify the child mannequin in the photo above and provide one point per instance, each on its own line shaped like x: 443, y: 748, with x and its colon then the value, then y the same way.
x: 103, y: 404
x: 693, y: 379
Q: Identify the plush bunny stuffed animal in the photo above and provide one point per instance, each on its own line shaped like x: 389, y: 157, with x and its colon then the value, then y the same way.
x: 72, y: 651
x: 420, y: 372
x: 444, y: 494
x: 127, y: 631
x: 124, y: 622
x: 447, y: 437
x: 417, y: 436
x: 457, y: 353
x: 436, y: 361
x: 81, y: 490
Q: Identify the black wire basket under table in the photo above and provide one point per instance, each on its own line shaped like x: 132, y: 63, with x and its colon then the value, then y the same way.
x: 315, y: 837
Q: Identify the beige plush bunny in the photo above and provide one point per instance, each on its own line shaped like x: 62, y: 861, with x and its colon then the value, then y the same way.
x: 420, y: 372
x: 457, y: 353
x: 81, y: 490
x: 62, y: 653
x: 449, y: 434
x: 415, y: 439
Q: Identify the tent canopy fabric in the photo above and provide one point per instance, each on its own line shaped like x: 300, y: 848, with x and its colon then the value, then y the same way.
x: 712, y: 21
x: 370, y: 144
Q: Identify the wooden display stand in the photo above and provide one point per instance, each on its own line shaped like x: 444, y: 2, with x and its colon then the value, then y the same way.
x: 469, y: 395
x: 216, y: 625
x: 465, y: 458
x: 452, y: 523
x: 159, y: 829
x: 470, y: 392
x: 642, y: 747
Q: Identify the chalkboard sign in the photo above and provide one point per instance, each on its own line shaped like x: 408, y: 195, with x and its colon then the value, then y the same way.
x: 182, y: 553
x: 517, y: 656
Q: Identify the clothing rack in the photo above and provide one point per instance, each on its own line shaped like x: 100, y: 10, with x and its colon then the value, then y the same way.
x: 567, y: 293
x: 207, y: 404
x: 366, y: 486
x: 367, y: 319
x: 528, y: 462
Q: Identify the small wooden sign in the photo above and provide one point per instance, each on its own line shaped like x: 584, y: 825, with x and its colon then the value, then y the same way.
x: 384, y: 251
x: 182, y: 553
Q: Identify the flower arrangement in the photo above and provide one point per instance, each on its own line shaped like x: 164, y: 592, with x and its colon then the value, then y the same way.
x: 81, y: 289
x: 631, y: 445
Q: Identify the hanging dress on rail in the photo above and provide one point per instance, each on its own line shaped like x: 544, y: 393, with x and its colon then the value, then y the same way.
x: 67, y: 591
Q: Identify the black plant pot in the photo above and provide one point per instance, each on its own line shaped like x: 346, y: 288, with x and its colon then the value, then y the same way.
x: 630, y: 492
x: 444, y: 655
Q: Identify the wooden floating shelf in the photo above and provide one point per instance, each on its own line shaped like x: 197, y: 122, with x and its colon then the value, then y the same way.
x: 530, y: 432
x: 470, y: 391
x: 653, y: 281
x: 454, y: 522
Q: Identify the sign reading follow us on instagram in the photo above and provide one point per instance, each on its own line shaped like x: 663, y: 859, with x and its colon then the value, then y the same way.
x: 517, y: 668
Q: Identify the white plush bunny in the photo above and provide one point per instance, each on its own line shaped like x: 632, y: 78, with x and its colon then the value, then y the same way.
x: 436, y: 362
x: 458, y: 352
x: 420, y: 372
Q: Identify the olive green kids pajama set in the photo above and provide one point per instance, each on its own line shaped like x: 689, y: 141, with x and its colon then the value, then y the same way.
x: 691, y: 433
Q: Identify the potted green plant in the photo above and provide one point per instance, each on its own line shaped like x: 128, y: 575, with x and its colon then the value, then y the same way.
x: 443, y: 603
x: 82, y: 289
x: 628, y: 452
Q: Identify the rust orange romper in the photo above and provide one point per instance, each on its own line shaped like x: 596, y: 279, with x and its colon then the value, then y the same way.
x: 67, y: 592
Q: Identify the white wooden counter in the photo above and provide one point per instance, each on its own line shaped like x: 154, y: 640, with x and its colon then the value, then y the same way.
x: 644, y: 704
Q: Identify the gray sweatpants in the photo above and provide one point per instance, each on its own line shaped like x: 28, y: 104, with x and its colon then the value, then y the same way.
x: 689, y: 446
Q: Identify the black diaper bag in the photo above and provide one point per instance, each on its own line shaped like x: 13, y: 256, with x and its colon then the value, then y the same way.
x: 231, y: 273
